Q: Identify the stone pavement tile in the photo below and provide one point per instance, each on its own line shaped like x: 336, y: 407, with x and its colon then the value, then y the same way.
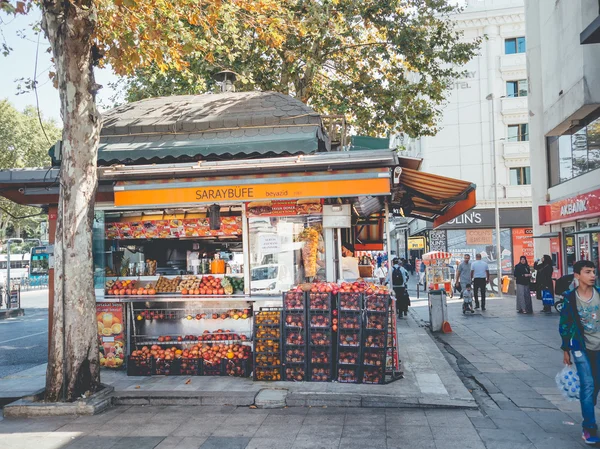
x: 246, y: 419
x: 363, y: 431
x: 225, y: 443
x: 374, y: 442
x: 284, y: 420
x: 458, y: 443
x: 289, y: 411
x: 237, y: 430
x: 467, y: 432
x: 319, y: 430
x: 137, y: 443
x: 551, y: 421
x: 153, y: 429
x: 269, y: 443
x: 396, y: 418
x: 180, y: 443
x: 41, y: 440
x: 410, y: 433
x: 565, y: 440
x: 483, y: 423
x: 515, y: 436
x: 508, y: 445
x: 524, y: 424
x: 308, y: 442
x: 285, y: 432
x: 195, y: 428
x: 447, y: 418
x: 89, y: 442
x: 324, y: 420
x: 397, y: 443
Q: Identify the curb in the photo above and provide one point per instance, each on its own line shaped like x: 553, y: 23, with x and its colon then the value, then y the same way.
x: 10, y: 313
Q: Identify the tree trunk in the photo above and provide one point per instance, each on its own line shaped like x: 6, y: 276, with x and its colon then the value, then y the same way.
x: 73, y: 365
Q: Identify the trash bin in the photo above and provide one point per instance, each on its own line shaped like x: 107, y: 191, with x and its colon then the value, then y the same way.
x: 438, y: 309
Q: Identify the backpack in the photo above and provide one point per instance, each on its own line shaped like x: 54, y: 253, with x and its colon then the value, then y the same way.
x: 397, y: 278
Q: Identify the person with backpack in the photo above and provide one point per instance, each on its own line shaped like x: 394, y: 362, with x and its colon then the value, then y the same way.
x: 399, y: 283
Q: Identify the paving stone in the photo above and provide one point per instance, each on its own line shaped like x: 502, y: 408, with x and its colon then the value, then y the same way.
x: 483, y: 423
x: 137, y: 443
x: 304, y: 442
x: 180, y: 443
x: 269, y: 443
x: 225, y: 443
x: 447, y: 418
x: 89, y: 442
x: 503, y: 435
x: 376, y: 442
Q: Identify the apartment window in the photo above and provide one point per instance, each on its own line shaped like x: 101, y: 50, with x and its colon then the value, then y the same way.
x: 514, y: 45
x: 516, y: 88
x: 520, y: 176
x: 518, y: 133
x: 572, y: 155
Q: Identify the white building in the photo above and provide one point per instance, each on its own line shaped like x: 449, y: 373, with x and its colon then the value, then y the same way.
x: 488, y: 104
x: 564, y: 73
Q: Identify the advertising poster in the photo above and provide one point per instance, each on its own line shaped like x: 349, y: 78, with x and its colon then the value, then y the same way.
x: 111, y: 334
x: 284, y: 208
x: 522, y: 240
x: 480, y: 237
x: 172, y: 229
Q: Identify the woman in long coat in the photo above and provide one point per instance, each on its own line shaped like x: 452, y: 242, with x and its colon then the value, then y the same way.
x: 523, y: 278
x: 544, y: 279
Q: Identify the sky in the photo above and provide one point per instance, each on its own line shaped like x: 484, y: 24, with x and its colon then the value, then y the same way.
x: 20, y: 63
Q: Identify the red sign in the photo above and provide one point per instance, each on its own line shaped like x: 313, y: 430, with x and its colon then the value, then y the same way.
x: 586, y: 205
x: 284, y: 208
x: 522, y: 241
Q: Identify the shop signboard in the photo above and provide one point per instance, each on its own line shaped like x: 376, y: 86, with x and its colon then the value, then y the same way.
x: 486, y: 218
x: 437, y: 240
x: 522, y: 240
x: 284, y: 208
x: 586, y: 205
x: 111, y: 334
x: 172, y: 228
x: 416, y: 243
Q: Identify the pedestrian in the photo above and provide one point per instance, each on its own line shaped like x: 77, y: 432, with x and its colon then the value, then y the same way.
x: 467, y: 295
x: 422, y: 273
x: 381, y: 273
x: 544, y: 280
x: 399, y: 281
x: 523, y: 277
x: 413, y: 263
x: 480, y: 273
x: 580, y: 332
x: 379, y: 259
x: 463, y: 273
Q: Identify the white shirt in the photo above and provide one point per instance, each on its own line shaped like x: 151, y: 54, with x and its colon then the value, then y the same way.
x: 381, y: 272
x: 479, y: 268
x: 350, y: 268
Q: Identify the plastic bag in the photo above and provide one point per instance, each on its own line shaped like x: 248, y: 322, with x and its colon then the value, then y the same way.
x: 567, y: 382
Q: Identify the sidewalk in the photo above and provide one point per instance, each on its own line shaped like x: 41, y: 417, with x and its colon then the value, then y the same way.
x: 509, y: 361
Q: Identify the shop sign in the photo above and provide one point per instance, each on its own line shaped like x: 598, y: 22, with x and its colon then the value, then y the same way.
x: 480, y: 237
x: 269, y: 244
x: 415, y: 243
x: 172, y: 229
x: 111, y: 334
x: 486, y: 218
x: 437, y: 240
x: 580, y: 206
x: 284, y: 208
x: 522, y: 240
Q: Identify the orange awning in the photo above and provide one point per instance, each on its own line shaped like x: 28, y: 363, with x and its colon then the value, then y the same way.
x: 432, y: 197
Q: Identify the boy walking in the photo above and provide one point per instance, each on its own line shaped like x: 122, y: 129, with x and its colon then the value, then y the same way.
x: 580, y: 332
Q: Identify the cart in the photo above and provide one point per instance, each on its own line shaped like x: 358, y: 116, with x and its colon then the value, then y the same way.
x: 439, y: 282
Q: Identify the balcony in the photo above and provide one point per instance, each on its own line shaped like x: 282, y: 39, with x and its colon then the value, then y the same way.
x: 514, y: 106
x: 591, y: 35
x: 518, y: 192
x: 516, y: 152
x: 512, y: 63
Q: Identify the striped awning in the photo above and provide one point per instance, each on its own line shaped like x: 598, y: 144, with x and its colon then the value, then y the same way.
x: 436, y: 255
x: 432, y: 197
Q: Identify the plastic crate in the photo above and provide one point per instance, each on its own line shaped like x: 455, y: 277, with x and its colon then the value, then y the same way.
x: 319, y: 320
x: 374, y: 357
x: 348, y: 374
x: 373, y: 375
x: 295, y: 338
x: 212, y: 369
x: 294, y: 319
x: 349, y: 321
x: 374, y: 340
x: 349, y: 338
x: 348, y: 357
x: 293, y: 300
x: 267, y: 374
x: 140, y: 366
x: 377, y: 302
x: 294, y: 372
x: 268, y: 359
x: 320, y: 364
x: 190, y: 367
x: 164, y: 367
x: 319, y: 301
x: 238, y: 368
x: 320, y: 373
x: 350, y: 301
x: 295, y: 354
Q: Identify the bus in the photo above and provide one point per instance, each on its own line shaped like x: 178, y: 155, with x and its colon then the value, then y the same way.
x: 39, y: 259
x: 28, y: 268
x: 19, y: 267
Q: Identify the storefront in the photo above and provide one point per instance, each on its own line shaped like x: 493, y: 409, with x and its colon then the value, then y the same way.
x: 197, y: 235
x: 575, y: 226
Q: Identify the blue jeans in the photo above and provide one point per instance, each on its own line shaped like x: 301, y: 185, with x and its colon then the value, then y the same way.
x: 588, y: 364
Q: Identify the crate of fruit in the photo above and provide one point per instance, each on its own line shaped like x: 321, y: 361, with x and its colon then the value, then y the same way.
x: 349, y: 301
x: 320, y: 373
x: 294, y: 300
x: 349, y: 374
x: 140, y: 366
x: 375, y: 340
x: 377, y: 302
x: 373, y: 375
x: 376, y: 321
x: 374, y: 357
x: 349, y: 356
x: 191, y: 367
x: 268, y: 317
x: 267, y: 373
x: 320, y: 337
x: 295, y: 355
x: 320, y: 363
x: 319, y: 301
x: 320, y: 320
x: 238, y: 368
x: 212, y: 368
x: 349, y: 321
x: 349, y: 338
x: 295, y: 372
x: 267, y: 360
x: 167, y: 367
x: 295, y: 337
x: 294, y: 319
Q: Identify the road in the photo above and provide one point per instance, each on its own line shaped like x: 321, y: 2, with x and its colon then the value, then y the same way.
x: 24, y: 340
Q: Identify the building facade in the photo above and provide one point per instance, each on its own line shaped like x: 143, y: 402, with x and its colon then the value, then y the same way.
x: 564, y: 108
x: 486, y: 115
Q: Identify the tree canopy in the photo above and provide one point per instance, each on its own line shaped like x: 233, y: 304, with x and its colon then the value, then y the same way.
x: 385, y: 65
x: 22, y: 144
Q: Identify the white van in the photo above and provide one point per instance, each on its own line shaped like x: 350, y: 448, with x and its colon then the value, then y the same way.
x: 270, y: 278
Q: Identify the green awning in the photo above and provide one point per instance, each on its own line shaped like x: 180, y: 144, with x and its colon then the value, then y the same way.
x: 369, y: 143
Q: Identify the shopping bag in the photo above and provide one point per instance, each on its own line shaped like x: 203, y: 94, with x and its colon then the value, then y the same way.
x: 547, y: 298
x: 567, y: 382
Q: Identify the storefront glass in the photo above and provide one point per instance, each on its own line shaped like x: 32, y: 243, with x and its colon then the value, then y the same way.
x: 99, y: 254
x: 285, y: 251
x: 570, y: 250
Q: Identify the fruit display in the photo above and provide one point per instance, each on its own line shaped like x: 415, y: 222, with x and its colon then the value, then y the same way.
x: 349, y: 321
x: 266, y: 346
x: 320, y: 356
x: 151, y: 267
x: 372, y: 358
x: 320, y: 338
x: 375, y: 341
x: 267, y: 349
x: 348, y: 357
x: 348, y: 375
x: 140, y: 364
x: 349, y: 301
x: 320, y: 374
x: 238, y: 368
x: 294, y: 320
x: 267, y: 360
x: 189, y: 282
x: 349, y: 339
x: 319, y: 301
x: 320, y: 320
x: 296, y: 355
x: 237, y: 284
x: 165, y: 285
x: 310, y: 237
x: 376, y: 322
x: 293, y: 300
x: 376, y: 301
x: 295, y: 338
x: 269, y: 374
x: 295, y: 373
x: 267, y: 318
x: 372, y: 376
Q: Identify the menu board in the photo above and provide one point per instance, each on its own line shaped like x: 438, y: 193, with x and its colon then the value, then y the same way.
x: 522, y: 240
x: 111, y: 334
x: 284, y: 208
x: 173, y: 228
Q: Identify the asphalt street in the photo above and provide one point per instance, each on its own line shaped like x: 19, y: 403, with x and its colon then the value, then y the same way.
x: 24, y: 340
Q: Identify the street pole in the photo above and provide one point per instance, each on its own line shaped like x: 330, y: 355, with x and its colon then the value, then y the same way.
x: 7, y: 296
x: 491, y: 98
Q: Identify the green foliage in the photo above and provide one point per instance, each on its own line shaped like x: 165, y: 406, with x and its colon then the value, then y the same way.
x: 22, y: 144
x: 385, y: 65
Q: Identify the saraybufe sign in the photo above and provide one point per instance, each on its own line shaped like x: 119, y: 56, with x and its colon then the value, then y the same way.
x: 485, y: 218
x: 586, y: 205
